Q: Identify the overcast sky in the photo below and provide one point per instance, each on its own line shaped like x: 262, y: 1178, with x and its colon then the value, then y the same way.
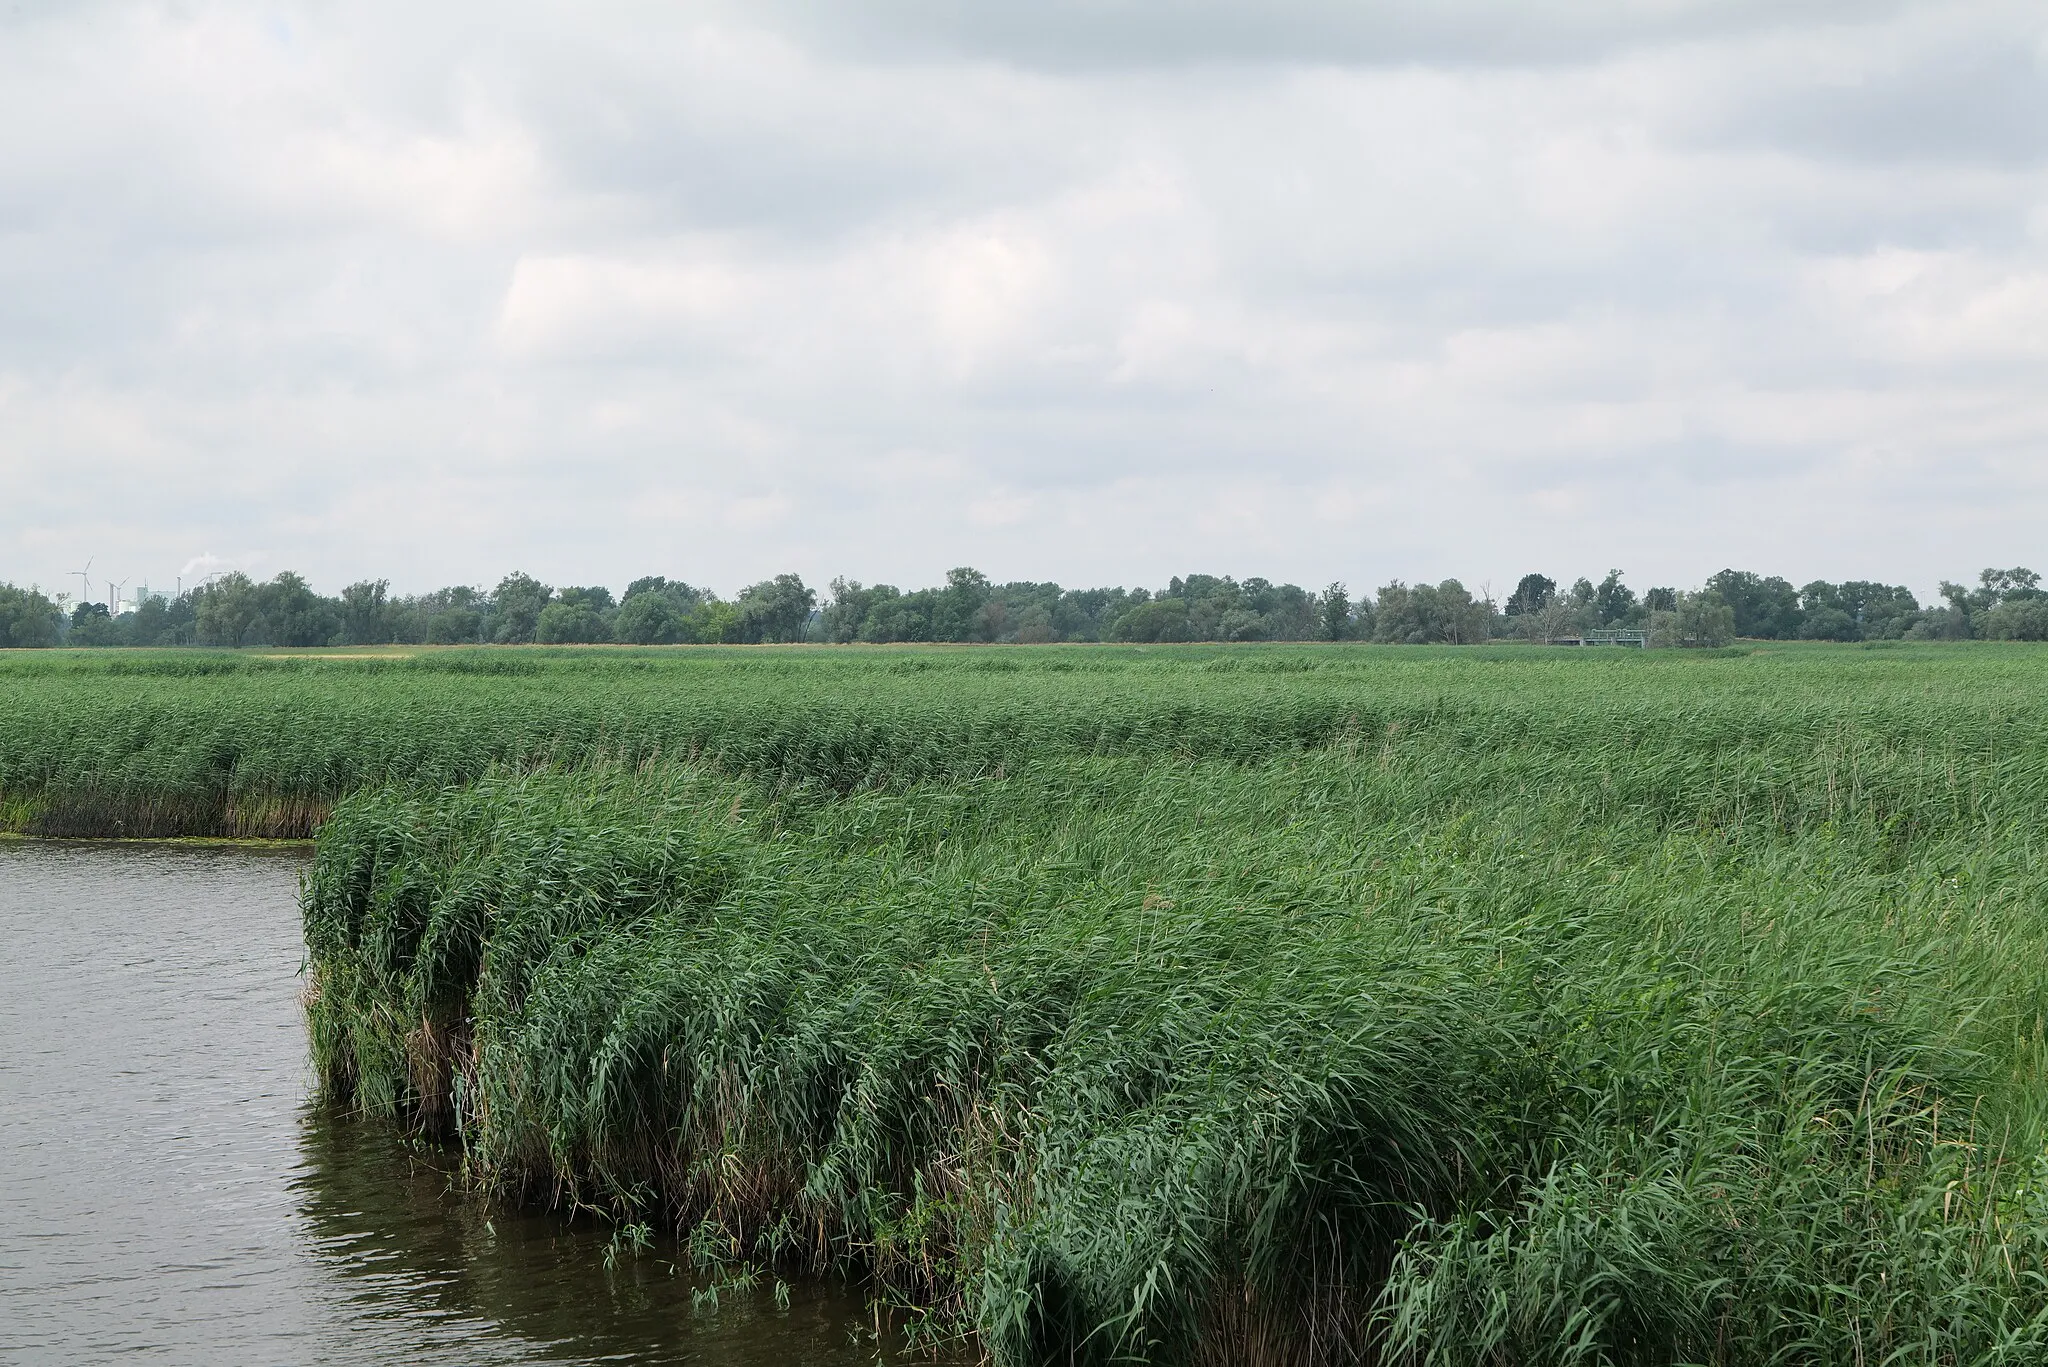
x: 1086, y: 290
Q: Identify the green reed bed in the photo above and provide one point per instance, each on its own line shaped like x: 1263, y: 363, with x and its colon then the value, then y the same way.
x: 1274, y: 1004
x: 172, y: 743
x: 1583, y: 1013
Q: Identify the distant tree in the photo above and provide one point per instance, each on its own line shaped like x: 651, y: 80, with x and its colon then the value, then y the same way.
x: 152, y: 623
x: 657, y: 611
x: 1660, y: 600
x: 456, y: 625
x: 291, y: 614
x: 27, y: 618
x: 1556, y: 621
x: 1034, y: 625
x: 893, y: 615
x: 1091, y: 614
x: 364, y: 619
x: 991, y: 621
x: 1292, y: 613
x: 2018, y: 582
x: 1336, y: 613
x: 2017, y: 619
x: 91, y: 625
x: 1969, y: 609
x: 1427, y: 614
x: 1764, y: 607
x: 227, y: 613
x: 1240, y: 624
x: 647, y: 619
x: 577, y: 623
x: 1829, y: 624
x: 412, y: 618
x: 848, y: 610
x: 577, y: 616
x: 516, y: 607
x: 715, y: 621
x: 1532, y: 594
x: 1160, y: 619
x: 1613, y: 600
x: 1697, y: 619
x: 958, y: 616
x: 775, y: 609
x: 1883, y: 612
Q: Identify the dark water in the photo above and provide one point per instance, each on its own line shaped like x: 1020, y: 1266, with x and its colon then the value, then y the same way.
x: 168, y: 1194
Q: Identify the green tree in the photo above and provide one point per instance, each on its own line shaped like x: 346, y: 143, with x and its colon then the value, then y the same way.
x: 1158, y: 619
x: 228, y: 613
x: 1696, y: 620
x: 959, y: 616
x: 365, y: 620
x: 1034, y: 625
x: 1614, y: 601
x: 659, y: 611
x: 516, y: 607
x: 2017, y: 619
x: 1430, y: 614
x: 92, y: 625
x: 1883, y: 612
x: 775, y: 609
x: 1532, y: 594
x: 571, y: 623
x: 27, y: 618
x: 1969, y: 608
x: 153, y: 622
x: 291, y: 614
x: 1336, y: 613
x: 846, y: 614
x: 715, y: 621
x: 1765, y: 607
x: 455, y: 625
x: 647, y: 619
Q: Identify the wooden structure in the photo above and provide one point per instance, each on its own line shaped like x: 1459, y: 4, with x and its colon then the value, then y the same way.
x: 1619, y: 637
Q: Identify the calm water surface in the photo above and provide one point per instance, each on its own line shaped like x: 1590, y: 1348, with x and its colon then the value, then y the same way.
x: 168, y: 1194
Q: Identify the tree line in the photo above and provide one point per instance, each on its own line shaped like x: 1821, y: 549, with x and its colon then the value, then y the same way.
x: 285, y: 611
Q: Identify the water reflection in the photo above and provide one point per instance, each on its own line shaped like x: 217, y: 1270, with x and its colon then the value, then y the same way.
x: 387, y: 1219
x: 168, y: 1194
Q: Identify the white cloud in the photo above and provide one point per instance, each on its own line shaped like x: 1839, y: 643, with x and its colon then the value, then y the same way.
x: 1097, y: 292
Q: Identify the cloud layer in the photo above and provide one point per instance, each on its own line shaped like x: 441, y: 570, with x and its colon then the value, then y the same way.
x: 1099, y: 292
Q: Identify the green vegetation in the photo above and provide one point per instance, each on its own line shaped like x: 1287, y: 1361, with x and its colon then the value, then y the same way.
x: 179, y: 743
x: 236, y: 611
x: 1266, y: 1006
x: 1204, y: 1004
x: 235, y: 745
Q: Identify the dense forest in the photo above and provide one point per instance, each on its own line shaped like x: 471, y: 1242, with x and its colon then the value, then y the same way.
x: 235, y: 610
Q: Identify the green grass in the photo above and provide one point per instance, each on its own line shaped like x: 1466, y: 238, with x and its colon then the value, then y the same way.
x: 1279, y: 1005
x: 221, y: 744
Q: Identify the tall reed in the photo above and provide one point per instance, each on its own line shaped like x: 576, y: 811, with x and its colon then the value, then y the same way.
x: 196, y: 744
x: 1458, y: 1053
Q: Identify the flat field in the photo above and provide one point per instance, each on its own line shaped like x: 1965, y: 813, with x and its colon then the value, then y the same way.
x: 1276, y: 1004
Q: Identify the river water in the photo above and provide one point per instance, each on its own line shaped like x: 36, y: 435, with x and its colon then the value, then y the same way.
x: 170, y: 1194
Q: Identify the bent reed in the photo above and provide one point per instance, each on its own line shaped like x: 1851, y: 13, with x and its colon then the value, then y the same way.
x: 1257, y: 1007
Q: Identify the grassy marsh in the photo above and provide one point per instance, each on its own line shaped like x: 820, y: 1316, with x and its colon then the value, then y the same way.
x: 1281, y: 1006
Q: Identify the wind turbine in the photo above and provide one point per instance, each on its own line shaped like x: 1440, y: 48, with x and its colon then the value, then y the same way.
x: 114, y: 597
x: 84, y: 581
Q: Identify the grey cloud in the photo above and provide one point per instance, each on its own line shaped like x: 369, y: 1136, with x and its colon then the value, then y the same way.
x: 1066, y: 291
x: 1945, y: 92
x: 1113, y: 34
